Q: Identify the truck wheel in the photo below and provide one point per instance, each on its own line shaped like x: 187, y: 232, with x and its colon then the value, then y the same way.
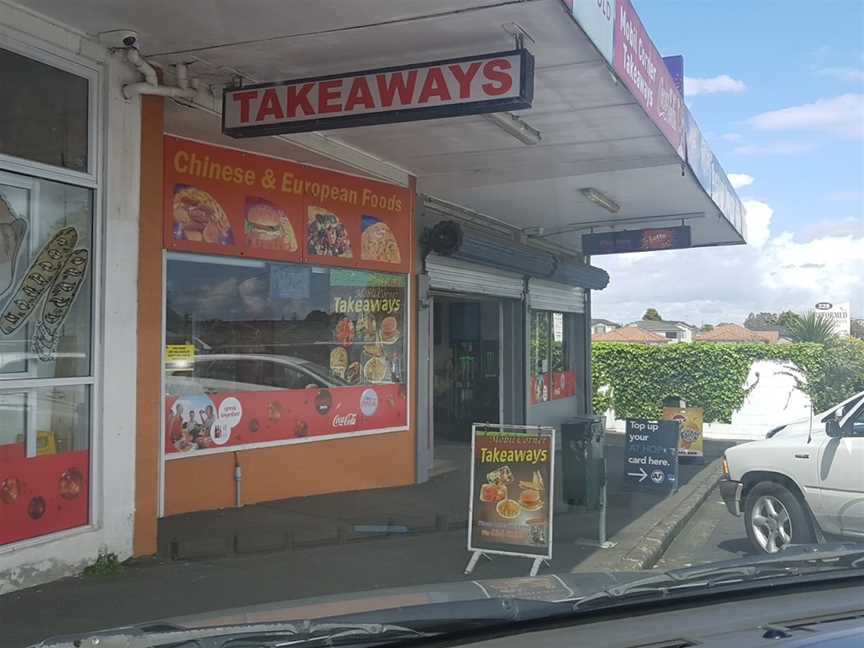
x: 774, y: 518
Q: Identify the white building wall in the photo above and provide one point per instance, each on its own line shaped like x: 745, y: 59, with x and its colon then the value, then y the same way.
x: 773, y: 401
x: 39, y: 560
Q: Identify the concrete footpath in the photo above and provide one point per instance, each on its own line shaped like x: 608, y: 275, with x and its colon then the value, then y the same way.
x: 388, y: 538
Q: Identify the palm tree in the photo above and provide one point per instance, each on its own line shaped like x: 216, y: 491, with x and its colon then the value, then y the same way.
x: 812, y: 327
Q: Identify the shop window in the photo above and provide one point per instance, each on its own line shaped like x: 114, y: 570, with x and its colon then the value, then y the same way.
x: 45, y: 248
x: 44, y: 461
x: 52, y: 131
x: 274, y: 362
x: 45, y: 355
x: 551, y: 356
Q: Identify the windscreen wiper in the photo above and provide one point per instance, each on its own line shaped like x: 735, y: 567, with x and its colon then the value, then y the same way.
x: 798, y: 561
x: 268, y: 635
x: 375, y: 628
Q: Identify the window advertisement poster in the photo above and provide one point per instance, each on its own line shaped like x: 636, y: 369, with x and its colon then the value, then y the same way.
x: 640, y: 66
x: 691, y: 442
x: 229, y: 202
x: 273, y: 353
x: 511, y: 497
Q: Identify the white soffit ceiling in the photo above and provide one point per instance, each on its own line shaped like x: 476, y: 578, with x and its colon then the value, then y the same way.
x: 594, y: 134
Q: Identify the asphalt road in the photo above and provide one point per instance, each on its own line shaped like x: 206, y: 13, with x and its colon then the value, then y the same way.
x: 711, y: 535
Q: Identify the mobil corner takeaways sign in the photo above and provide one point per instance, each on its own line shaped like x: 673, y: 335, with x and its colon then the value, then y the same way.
x: 639, y: 64
x: 464, y: 86
x: 510, y: 510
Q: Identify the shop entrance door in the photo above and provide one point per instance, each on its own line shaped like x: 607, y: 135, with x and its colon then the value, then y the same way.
x: 466, y: 366
x: 476, y: 371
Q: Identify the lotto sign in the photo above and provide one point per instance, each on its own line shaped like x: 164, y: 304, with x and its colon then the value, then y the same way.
x: 465, y: 86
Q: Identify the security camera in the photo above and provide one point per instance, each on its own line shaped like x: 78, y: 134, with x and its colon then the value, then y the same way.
x: 120, y: 38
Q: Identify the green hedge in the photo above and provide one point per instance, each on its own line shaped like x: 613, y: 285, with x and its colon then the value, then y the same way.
x: 634, y: 379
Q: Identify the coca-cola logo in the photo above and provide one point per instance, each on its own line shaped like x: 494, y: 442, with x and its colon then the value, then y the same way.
x: 344, y: 420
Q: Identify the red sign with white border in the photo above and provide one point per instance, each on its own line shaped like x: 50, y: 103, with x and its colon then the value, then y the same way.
x: 464, y: 86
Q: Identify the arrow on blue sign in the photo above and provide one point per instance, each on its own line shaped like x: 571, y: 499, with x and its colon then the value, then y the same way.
x: 641, y: 475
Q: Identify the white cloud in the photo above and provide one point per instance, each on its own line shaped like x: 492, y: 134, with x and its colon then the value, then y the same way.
x: 722, y: 284
x: 739, y: 180
x: 732, y: 137
x: 841, y: 116
x: 712, y: 85
x: 847, y: 74
x: 759, y: 215
x: 775, y: 148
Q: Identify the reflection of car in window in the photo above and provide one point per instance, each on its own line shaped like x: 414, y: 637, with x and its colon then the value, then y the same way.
x: 241, y: 372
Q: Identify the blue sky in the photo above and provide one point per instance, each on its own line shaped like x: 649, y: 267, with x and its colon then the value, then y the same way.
x: 777, y: 87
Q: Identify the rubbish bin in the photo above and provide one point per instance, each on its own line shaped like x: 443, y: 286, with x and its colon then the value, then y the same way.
x: 583, y: 460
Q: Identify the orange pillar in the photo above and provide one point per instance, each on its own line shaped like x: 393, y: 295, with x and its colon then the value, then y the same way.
x: 148, y: 434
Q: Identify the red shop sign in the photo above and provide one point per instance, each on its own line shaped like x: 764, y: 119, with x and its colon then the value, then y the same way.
x: 454, y: 87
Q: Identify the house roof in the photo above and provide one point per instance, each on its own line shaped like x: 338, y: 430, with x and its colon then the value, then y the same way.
x: 737, y: 333
x: 654, y: 325
x: 603, y: 321
x: 632, y: 334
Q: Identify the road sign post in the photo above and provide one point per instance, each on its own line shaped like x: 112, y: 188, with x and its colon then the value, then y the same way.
x: 651, y: 454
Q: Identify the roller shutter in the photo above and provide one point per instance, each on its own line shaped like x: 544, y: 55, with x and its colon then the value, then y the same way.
x: 548, y: 295
x: 453, y: 275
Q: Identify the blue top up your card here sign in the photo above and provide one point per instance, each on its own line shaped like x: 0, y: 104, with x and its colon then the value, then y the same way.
x: 651, y: 454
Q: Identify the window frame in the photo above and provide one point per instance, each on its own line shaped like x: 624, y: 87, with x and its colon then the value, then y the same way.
x: 568, y: 350
x: 94, y: 181
x: 411, y: 306
x: 93, y: 74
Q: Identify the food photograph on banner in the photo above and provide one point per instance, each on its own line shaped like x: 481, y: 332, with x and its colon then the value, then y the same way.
x: 511, y: 491
x: 286, y: 307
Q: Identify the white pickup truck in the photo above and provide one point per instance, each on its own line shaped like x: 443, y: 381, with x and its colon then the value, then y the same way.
x: 804, y: 482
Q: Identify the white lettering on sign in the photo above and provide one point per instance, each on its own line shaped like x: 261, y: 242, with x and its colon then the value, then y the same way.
x: 838, y: 314
x: 344, y: 420
x: 440, y: 84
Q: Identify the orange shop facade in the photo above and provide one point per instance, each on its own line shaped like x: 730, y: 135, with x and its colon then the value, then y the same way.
x: 276, y: 329
x: 298, y: 334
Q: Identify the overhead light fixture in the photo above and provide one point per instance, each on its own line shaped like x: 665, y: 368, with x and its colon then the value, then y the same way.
x: 515, y: 126
x: 599, y: 198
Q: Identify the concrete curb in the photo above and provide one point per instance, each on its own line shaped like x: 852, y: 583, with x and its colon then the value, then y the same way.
x: 643, y: 542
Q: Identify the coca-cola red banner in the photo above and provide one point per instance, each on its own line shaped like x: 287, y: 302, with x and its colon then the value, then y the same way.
x: 206, y: 423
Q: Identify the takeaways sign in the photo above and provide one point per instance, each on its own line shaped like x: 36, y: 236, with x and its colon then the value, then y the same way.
x: 463, y: 86
x: 510, y: 509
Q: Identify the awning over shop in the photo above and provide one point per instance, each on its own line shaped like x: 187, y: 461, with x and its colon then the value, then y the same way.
x: 594, y: 158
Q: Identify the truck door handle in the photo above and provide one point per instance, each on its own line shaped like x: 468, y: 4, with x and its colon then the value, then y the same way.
x: 799, y: 455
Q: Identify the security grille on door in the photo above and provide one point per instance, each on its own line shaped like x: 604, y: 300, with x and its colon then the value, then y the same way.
x: 459, y: 276
x: 548, y: 295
